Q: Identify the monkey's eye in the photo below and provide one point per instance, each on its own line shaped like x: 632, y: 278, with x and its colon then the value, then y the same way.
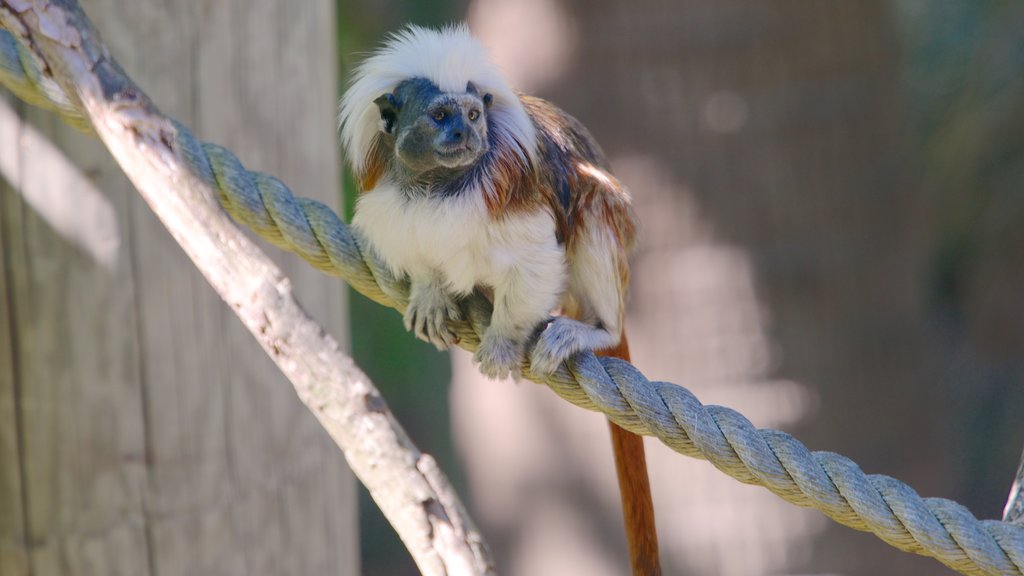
x: 474, y: 115
x: 439, y: 115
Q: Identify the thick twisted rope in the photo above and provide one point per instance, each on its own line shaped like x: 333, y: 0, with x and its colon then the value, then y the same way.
x: 826, y: 481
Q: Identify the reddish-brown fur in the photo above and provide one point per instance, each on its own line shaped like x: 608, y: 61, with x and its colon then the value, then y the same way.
x: 512, y: 185
x: 375, y: 165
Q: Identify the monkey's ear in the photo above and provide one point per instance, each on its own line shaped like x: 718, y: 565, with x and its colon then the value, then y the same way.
x: 388, y: 106
x: 472, y: 89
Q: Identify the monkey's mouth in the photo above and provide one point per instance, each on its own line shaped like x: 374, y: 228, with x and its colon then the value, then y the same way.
x: 457, y: 156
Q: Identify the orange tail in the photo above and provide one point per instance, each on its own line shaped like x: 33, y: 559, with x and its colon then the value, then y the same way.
x: 634, y: 489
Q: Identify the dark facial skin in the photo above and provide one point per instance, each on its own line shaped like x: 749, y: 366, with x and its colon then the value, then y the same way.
x: 437, y: 135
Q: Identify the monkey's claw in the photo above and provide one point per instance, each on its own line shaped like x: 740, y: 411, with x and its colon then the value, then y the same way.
x: 428, y: 314
x: 498, y: 357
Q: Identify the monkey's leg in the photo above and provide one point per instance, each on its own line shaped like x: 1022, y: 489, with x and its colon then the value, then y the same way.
x: 501, y: 347
x: 634, y: 489
x: 430, y: 307
x: 522, y: 300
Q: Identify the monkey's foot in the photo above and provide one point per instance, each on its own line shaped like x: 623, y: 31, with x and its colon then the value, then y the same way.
x: 562, y: 338
x: 498, y: 357
x: 427, y: 316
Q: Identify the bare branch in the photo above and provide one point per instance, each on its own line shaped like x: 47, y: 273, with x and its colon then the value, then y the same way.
x: 412, y: 493
x: 1014, y: 511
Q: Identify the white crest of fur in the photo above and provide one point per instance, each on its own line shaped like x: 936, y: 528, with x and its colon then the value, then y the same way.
x: 450, y: 58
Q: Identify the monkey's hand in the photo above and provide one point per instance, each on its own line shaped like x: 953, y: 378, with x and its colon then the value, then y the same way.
x: 498, y: 356
x: 562, y: 338
x: 430, y: 309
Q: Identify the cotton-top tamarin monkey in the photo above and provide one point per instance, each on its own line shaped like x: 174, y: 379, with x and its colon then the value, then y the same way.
x: 465, y: 183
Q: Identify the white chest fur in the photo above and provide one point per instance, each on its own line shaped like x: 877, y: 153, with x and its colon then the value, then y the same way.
x: 455, y: 237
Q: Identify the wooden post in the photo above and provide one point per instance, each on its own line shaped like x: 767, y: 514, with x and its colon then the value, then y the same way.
x: 142, y: 430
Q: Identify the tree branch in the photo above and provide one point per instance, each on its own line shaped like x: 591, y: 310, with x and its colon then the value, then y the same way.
x: 1014, y: 511
x: 407, y: 485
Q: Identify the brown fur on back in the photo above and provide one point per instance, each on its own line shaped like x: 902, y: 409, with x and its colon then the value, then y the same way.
x: 576, y: 183
x: 576, y: 179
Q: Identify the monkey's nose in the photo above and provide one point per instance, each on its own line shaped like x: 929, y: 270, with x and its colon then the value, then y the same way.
x: 455, y: 138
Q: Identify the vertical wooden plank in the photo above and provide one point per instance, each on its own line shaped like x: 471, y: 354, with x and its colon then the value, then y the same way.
x: 77, y: 401
x: 13, y: 549
x: 279, y: 53
x: 158, y: 437
x: 260, y: 80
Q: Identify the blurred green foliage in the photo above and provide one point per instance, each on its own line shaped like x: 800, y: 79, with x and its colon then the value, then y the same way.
x: 965, y: 76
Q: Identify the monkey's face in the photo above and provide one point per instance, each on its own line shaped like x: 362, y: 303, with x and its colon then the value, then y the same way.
x: 456, y: 129
x: 434, y: 129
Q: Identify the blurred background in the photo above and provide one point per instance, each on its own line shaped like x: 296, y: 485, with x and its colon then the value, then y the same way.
x: 832, y: 200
